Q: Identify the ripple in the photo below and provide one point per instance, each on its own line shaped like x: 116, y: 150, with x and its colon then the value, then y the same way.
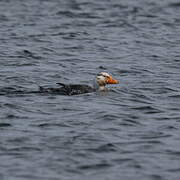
x: 28, y: 54
x: 94, y: 166
x: 174, y: 4
x: 176, y: 96
x: 109, y: 147
x: 46, y: 125
x: 5, y: 125
x: 147, y: 109
x: 71, y: 14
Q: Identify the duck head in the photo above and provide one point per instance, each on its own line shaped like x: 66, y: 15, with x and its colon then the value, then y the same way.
x: 102, y: 79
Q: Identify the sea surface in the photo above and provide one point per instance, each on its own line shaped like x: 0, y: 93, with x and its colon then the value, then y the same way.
x: 131, y: 132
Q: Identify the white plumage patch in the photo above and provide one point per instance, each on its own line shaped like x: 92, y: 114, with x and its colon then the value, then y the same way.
x: 101, y: 78
x: 105, y: 74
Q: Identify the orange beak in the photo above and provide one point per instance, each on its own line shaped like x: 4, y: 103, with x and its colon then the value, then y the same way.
x: 112, y: 81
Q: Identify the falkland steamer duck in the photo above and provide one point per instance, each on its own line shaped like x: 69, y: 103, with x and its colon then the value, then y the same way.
x: 101, y: 80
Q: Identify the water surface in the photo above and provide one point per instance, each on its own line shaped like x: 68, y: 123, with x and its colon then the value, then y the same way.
x: 131, y: 132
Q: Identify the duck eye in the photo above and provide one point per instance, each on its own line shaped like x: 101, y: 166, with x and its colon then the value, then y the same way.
x: 99, y: 74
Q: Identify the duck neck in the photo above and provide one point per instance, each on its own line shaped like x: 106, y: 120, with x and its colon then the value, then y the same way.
x: 102, y: 88
x: 99, y: 87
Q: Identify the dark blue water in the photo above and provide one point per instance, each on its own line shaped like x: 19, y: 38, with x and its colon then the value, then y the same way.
x: 130, y: 132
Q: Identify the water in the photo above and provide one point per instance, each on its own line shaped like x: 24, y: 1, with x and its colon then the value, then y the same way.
x: 131, y: 132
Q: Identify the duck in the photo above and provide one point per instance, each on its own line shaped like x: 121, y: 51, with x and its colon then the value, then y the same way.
x: 101, y: 80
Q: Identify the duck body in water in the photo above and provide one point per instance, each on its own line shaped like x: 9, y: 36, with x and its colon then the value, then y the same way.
x: 101, y: 80
x: 68, y: 89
